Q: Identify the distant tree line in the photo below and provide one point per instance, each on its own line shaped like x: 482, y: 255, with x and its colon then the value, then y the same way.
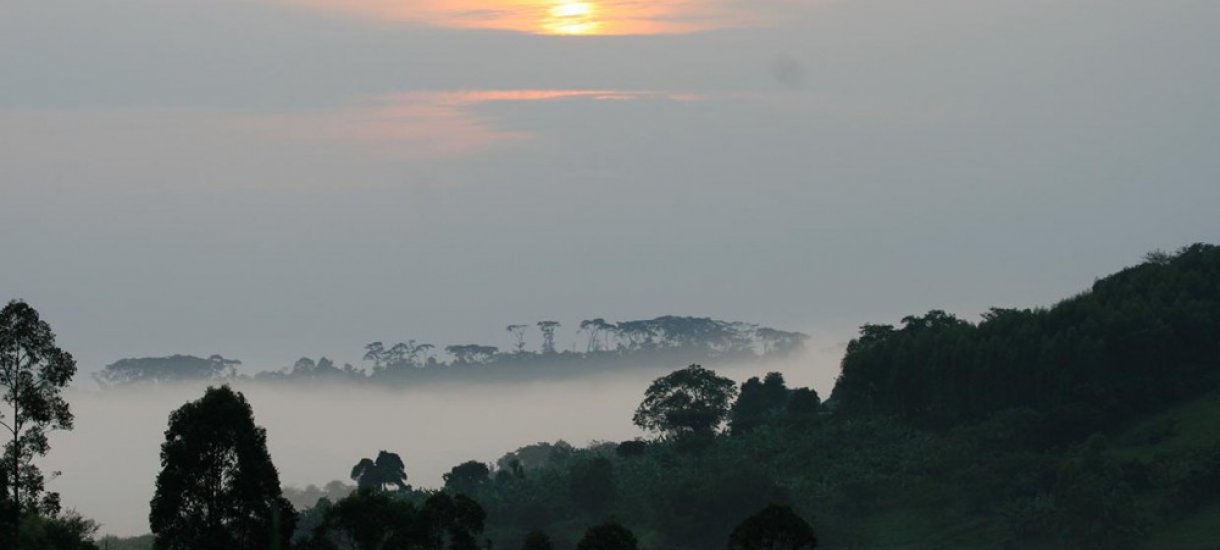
x: 691, y: 338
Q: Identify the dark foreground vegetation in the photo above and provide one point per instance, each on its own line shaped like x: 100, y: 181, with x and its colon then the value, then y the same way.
x: 1094, y: 423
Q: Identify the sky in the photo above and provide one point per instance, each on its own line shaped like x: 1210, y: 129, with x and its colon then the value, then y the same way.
x: 271, y: 179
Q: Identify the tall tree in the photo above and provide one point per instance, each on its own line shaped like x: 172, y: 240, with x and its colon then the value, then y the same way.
x: 376, y: 353
x: 690, y: 400
x: 387, y: 470
x: 548, y: 335
x: 596, y: 330
x: 518, y: 332
x: 217, y: 487
x: 33, y: 371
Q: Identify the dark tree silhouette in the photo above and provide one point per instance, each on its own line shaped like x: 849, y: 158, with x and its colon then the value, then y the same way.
x: 758, y: 402
x: 691, y: 400
x: 33, y: 371
x: 467, y: 477
x: 387, y: 470
x: 803, y: 402
x: 372, y: 520
x: 457, y: 518
x: 775, y: 527
x: 608, y: 536
x: 217, y: 487
x: 537, y: 540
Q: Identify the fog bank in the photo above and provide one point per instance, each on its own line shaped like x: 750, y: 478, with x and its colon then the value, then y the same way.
x: 315, y: 434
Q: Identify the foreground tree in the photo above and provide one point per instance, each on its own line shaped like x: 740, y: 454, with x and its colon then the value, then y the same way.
x: 608, y: 536
x: 217, y: 487
x: 33, y: 371
x: 387, y: 470
x: 773, y: 528
x: 693, y: 400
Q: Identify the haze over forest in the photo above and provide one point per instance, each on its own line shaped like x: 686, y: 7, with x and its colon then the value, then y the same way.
x: 448, y: 229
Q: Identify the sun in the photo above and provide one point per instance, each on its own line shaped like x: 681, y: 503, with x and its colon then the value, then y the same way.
x: 571, y: 17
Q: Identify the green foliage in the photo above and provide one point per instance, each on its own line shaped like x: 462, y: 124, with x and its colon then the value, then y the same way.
x: 60, y: 531
x: 634, y: 447
x: 1139, y: 339
x: 591, y: 482
x: 608, y: 536
x: 775, y: 527
x: 693, y: 400
x: 217, y: 487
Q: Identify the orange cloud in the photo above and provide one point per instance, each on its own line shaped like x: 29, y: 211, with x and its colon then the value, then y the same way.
x: 427, y: 125
x: 565, y: 17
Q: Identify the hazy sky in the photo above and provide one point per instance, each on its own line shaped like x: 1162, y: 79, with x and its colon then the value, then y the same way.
x: 268, y: 179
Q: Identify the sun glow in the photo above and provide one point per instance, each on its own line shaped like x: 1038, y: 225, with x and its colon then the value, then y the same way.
x: 571, y: 17
x: 556, y: 17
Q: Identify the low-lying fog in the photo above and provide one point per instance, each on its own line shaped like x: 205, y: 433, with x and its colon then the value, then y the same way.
x: 315, y: 434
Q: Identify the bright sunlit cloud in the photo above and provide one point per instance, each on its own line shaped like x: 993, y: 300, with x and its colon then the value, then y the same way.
x: 557, y: 17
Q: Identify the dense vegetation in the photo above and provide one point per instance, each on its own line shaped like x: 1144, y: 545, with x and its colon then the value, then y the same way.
x: 661, y: 340
x: 1089, y: 424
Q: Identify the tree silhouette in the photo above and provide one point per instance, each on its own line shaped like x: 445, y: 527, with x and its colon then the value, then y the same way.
x: 758, y: 402
x: 518, y: 332
x: 457, y: 518
x: 690, y: 400
x: 468, y: 476
x: 33, y: 371
x: 217, y: 487
x: 608, y: 536
x: 387, y: 470
x: 775, y: 527
x: 548, y: 335
x: 596, y: 329
x: 372, y: 520
x: 376, y: 353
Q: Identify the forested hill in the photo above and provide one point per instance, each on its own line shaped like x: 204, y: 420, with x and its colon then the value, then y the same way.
x: 1092, y: 424
x: 1138, y: 339
x: 1089, y: 424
